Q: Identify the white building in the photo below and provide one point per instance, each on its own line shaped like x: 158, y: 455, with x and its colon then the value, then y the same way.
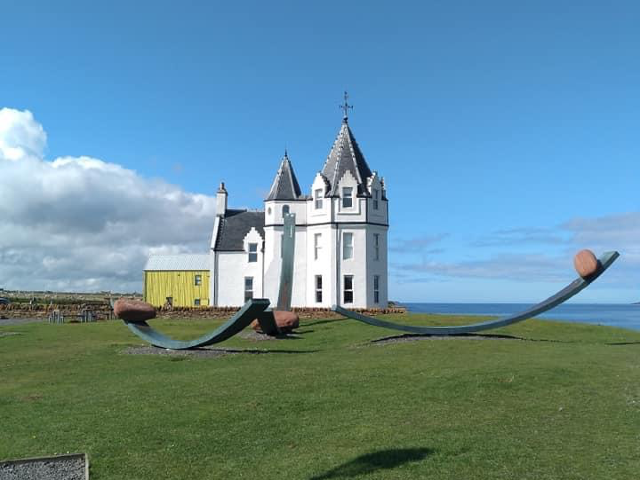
x: 340, y: 244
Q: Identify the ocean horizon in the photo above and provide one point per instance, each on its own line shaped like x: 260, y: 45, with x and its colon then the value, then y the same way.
x: 613, y: 315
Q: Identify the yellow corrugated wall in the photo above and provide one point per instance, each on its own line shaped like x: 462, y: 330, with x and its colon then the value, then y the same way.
x: 158, y: 285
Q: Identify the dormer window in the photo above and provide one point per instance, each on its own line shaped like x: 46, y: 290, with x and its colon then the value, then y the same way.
x: 317, y: 196
x: 285, y: 210
x: 253, y: 252
x: 347, y: 197
x: 376, y: 198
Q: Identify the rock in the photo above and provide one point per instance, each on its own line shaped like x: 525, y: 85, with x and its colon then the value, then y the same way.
x: 585, y: 263
x: 133, y: 310
x: 256, y: 326
x: 286, y: 321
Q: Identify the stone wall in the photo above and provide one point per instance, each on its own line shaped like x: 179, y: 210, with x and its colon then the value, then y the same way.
x: 103, y: 312
x: 24, y: 310
x: 225, y: 312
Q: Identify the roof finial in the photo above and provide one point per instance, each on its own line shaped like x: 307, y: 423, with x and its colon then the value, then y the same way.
x: 345, y: 107
x: 286, y: 155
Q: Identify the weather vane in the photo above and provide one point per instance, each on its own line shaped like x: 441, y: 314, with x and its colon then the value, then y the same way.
x: 345, y: 107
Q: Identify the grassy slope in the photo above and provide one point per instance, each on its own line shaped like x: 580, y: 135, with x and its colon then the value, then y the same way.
x: 328, y: 405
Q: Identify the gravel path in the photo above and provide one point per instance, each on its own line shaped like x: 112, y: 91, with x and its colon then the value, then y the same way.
x: 66, y: 467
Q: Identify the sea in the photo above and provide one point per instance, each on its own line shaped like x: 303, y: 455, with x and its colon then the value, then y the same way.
x: 614, y: 315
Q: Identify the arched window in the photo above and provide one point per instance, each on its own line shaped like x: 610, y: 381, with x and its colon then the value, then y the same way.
x: 285, y: 210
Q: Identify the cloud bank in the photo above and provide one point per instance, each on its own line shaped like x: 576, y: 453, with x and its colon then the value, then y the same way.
x: 83, y: 224
x: 535, y: 254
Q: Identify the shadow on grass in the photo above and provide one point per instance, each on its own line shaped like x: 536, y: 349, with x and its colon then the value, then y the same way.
x: 322, y: 322
x: 480, y: 336
x: 372, y: 462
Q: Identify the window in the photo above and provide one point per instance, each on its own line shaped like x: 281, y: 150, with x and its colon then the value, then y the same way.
x: 348, y: 289
x: 347, y: 200
x: 253, y: 252
x: 316, y: 245
x: 376, y: 289
x: 196, y: 302
x: 376, y: 197
x: 248, y: 288
x: 376, y: 246
x: 318, y: 288
x: 285, y: 210
x: 197, y: 280
x: 317, y: 195
x: 347, y: 245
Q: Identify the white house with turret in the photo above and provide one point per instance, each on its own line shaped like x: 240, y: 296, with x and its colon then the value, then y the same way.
x: 340, y: 244
x: 342, y: 222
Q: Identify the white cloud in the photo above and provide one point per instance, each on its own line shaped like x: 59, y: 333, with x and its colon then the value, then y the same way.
x: 79, y: 223
x: 20, y: 135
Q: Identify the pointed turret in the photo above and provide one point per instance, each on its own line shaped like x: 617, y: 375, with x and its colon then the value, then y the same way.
x: 346, y: 155
x: 285, y: 186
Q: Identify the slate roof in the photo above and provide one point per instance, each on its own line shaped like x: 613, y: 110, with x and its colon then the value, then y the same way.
x: 234, y: 226
x: 285, y: 186
x: 346, y: 155
x: 187, y: 261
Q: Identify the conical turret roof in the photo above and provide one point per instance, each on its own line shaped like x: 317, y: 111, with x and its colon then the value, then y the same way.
x: 285, y: 186
x: 346, y: 155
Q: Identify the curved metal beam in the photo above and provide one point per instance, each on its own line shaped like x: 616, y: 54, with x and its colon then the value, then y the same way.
x: 251, y: 310
x: 563, y: 295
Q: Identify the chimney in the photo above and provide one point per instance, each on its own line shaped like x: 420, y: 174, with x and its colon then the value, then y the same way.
x: 221, y: 200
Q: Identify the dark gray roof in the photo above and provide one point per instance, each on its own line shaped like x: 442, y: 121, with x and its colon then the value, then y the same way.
x: 346, y: 155
x: 234, y: 226
x: 285, y: 186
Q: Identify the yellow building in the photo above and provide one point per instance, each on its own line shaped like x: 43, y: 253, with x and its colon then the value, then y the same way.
x: 181, y: 280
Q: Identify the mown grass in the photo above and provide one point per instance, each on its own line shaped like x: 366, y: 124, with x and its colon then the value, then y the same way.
x: 558, y: 401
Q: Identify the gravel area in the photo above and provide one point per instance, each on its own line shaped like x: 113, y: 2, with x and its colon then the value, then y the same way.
x: 260, y: 337
x: 64, y: 467
x: 197, y: 352
x: 9, y: 334
x: 20, y: 321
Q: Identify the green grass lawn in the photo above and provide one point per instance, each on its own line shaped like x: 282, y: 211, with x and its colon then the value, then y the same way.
x: 560, y: 401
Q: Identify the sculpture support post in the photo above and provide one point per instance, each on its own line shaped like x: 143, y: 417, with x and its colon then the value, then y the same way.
x: 288, y: 254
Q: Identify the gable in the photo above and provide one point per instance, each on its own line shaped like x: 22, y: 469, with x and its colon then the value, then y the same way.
x: 235, y: 226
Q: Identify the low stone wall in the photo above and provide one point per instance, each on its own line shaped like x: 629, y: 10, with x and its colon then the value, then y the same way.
x: 24, y: 310
x: 70, y: 311
x: 225, y: 312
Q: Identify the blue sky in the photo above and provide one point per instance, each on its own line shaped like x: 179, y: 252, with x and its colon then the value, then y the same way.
x: 507, y: 132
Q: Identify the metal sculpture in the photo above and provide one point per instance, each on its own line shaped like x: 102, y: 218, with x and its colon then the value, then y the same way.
x: 563, y: 295
x: 256, y: 308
